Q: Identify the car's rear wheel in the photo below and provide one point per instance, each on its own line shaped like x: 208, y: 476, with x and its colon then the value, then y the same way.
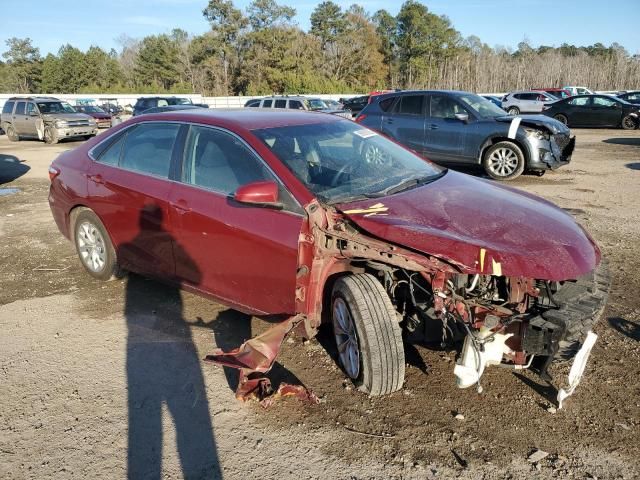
x: 50, y: 136
x: 513, y: 111
x: 503, y: 161
x: 562, y: 118
x: 11, y: 134
x: 94, y: 246
x: 629, y: 123
x: 368, y: 335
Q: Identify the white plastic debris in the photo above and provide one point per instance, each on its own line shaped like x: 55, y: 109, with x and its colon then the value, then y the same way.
x: 536, y: 456
x: 577, y: 369
x: 472, y: 363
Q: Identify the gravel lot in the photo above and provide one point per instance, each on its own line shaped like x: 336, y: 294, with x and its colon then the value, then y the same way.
x: 96, y: 375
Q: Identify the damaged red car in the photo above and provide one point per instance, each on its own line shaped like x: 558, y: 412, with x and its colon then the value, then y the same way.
x: 315, y: 218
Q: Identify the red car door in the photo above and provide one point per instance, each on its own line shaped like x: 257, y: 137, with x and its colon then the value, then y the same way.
x: 128, y: 188
x: 244, y: 255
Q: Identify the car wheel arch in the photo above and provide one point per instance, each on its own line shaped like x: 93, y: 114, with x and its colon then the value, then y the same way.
x: 502, y: 138
x: 73, y: 215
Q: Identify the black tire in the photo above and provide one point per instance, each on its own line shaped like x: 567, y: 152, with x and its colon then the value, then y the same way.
x: 379, y: 336
x: 513, y: 111
x: 629, y: 123
x: 110, y: 268
x: 492, y: 165
x: 88, y: 137
x: 562, y: 118
x: 50, y: 136
x: 581, y: 305
x: 11, y: 134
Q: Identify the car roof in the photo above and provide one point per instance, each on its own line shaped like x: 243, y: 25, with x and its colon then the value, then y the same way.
x: 36, y: 99
x: 244, y: 119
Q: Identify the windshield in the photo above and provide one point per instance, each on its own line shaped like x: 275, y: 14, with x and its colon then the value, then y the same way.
x: 481, y: 106
x: 55, y: 107
x: 341, y: 161
x: 92, y: 109
x: 316, y: 104
x: 179, y: 101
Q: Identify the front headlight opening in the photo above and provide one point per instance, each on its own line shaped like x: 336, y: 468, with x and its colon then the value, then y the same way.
x: 539, y: 134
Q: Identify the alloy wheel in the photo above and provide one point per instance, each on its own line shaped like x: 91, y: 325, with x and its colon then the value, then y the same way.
x: 91, y: 246
x: 344, y: 330
x: 503, y: 162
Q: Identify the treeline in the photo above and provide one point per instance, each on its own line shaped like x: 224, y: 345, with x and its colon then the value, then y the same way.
x: 261, y: 51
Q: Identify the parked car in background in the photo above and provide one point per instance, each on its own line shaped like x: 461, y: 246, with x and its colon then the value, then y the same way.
x: 497, y: 101
x: 595, y: 111
x: 112, y: 108
x: 45, y: 118
x: 334, y: 104
x: 527, y: 101
x: 554, y: 92
x: 171, y: 108
x: 355, y: 104
x: 309, y: 217
x: 631, y: 97
x: 102, y: 118
x: 145, y: 103
x: 577, y: 90
x: 296, y: 102
x: 461, y: 128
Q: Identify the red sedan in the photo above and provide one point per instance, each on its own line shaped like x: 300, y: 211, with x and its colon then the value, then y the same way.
x: 316, y: 218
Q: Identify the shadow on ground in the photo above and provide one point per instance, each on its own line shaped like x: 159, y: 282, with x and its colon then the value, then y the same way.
x: 625, y: 327
x: 11, y: 168
x: 635, y: 142
x: 633, y: 165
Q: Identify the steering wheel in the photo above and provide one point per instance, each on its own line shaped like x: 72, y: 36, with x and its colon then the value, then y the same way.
x: 339, y: 173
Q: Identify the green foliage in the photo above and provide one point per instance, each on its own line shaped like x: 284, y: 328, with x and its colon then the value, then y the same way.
x: 262, y: 51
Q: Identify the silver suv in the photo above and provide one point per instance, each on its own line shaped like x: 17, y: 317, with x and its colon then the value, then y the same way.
x: 45, y: 118
x: 526, y: 102
x: 297, y: 102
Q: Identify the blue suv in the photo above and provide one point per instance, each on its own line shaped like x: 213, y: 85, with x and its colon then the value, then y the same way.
x: 462, y: 128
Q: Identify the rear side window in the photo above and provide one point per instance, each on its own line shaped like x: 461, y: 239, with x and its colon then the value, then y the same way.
x: 111, y: 156
x: 281, y: 104
x: 603, y: 102
x: 148, y: 148
x: 387, y: 103
x: 410, y: 105
x: 445, y: 107
x: 253, y: 104
x: 296, y: 105
x: 20, y: 108
x: 267, y: 104
x: 8, y: 107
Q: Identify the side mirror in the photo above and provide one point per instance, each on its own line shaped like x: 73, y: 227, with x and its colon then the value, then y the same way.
x: 463, y: 117
x: 264, y: 194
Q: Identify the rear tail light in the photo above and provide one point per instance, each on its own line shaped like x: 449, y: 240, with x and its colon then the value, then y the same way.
x: 53, y: 172
x: 360, y: 118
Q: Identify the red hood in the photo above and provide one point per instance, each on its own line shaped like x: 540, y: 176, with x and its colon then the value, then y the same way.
x: 486, y: 227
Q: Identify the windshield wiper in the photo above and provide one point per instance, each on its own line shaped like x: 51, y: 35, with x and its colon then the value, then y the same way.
x: 406, y: 184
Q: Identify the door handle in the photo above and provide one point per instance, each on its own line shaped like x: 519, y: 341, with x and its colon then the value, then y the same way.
x: 389, y: 120
x: 433, y: 126
x: 181, y: 207
x: 96, y: 179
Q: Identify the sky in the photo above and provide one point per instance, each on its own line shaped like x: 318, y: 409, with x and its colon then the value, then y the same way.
x: 83, y: 23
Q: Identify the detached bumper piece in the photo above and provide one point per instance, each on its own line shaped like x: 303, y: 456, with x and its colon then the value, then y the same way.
x: 254, y: 358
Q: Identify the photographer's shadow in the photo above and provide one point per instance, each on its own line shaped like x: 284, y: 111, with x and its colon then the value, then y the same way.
x: 164, y: 368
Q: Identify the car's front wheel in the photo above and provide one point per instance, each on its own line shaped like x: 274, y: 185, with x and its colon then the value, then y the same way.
x: 368, y: 336
x: 513, y: 111
x: 50, y: 136
x: 503, y: 161
x: 629, y: 123
x: 94, y: 246
x: 562, y: 118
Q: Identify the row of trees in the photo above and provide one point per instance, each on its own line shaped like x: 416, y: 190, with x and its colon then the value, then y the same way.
x: 261, y: 50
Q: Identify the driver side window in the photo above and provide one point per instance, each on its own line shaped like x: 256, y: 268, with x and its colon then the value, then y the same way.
x: 220, y: 162
x: 579, y: 101
x: 445, y: 107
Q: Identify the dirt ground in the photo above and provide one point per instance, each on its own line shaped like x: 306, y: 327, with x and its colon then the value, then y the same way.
x: 97, y: 376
